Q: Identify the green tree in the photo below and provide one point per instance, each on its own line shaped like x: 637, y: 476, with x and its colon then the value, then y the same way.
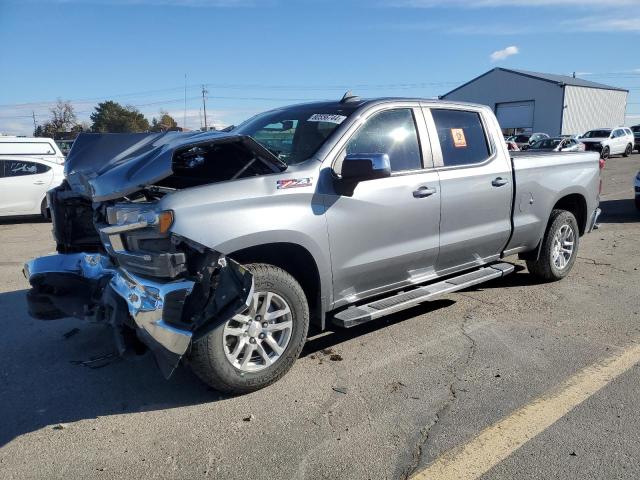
x: 112, y: 117
x: 165, y: 123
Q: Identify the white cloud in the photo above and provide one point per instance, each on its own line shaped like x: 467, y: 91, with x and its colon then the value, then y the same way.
x: 505, y: 53
x: 599, y: 24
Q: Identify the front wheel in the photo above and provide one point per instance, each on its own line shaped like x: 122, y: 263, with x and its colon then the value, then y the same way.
x: 559, y: 247
x: 258, y: 346
x: 628, y: 151
x: 605, y: 153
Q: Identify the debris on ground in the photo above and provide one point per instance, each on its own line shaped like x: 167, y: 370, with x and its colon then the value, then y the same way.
x: 573, y: 454
x: 60, y: 426
x: 71, y: 333
x: 97, y: 362
x: 342, y: 390
x: 249, y: 418
x: 335, y: 357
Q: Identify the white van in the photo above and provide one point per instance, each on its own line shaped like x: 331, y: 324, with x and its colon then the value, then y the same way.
x: 29, y: 167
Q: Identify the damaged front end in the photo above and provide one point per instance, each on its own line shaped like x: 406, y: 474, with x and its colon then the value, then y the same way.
x: 118, y: 261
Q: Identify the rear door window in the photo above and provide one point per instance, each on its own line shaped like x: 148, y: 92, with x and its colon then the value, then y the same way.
x: 18, y: 168
x: 462, y: 138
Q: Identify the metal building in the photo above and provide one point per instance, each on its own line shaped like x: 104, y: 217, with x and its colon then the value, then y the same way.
x: 528, y: 102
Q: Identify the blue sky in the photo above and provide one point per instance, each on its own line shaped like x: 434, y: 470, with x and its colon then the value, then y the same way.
x: 254, y: 55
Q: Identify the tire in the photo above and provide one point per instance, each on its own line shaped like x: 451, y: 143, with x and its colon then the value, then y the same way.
x: 605, y: 153
x: 44, y: 210
x: 549, y: 267
x: 628, y: 150
x: 211, y: 357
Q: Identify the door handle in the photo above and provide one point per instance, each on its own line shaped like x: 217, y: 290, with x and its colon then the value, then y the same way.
x: 424, y: 192
x: 498, y: 182
x: 39, y: 182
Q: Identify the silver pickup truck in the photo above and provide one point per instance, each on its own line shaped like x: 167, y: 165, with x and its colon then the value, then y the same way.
x: 222, y: 249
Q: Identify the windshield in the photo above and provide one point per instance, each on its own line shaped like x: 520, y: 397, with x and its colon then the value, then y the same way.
x: 522, y: 138
x: 294, y: 134
x: 547, y: 143
x: 597, y: 134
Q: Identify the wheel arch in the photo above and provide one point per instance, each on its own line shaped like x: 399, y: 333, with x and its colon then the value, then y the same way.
x: 575, y: 203
x: 299, y: 263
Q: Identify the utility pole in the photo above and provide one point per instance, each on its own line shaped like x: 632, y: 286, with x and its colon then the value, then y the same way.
x: 204, y: 107
x: 184, y: 118
x: 33, y: 114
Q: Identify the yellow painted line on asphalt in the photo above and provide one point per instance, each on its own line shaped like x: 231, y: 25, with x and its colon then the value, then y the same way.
x: 500, y: 440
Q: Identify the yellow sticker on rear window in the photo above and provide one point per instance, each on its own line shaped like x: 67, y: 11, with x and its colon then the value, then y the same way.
x: 459, y: 141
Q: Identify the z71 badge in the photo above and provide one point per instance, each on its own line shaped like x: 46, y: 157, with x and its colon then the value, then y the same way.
x: 294, y: 183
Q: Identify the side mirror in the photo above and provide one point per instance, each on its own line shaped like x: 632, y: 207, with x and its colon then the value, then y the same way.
x: 358, y: 167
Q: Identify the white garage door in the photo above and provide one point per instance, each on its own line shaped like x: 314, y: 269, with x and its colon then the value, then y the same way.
x: 515, y: 114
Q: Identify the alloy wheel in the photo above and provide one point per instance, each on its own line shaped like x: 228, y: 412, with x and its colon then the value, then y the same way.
x: 563, y: 246
x: 256, y: 338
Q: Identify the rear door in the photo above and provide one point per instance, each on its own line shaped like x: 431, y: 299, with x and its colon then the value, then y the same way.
x: 23, y: 186
x: 475, y: 184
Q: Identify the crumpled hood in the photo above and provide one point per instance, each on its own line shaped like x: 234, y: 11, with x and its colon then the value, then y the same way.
x: 105, y: 166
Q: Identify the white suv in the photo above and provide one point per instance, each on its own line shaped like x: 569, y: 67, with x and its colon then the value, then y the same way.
x: 609, y: 141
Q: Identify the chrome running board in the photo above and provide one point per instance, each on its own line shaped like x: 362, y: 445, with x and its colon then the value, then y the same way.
x: 359, y: 314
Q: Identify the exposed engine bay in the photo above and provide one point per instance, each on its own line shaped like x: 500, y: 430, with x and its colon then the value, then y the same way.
x: 118, y: 262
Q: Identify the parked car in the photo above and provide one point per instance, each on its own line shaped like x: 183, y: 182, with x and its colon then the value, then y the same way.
x: 609, y: 141
x: 24, y: 182
x: 525, y: 140
x: 512, y: 146
x: 65, y: 146
x: 28, y: 168
x: 35, y: 147
x: 636, y: 134
x: 558, y: 144
x: 213, y: 247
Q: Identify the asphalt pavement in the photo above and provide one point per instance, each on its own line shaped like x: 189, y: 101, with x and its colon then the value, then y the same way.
x: 386, y: 400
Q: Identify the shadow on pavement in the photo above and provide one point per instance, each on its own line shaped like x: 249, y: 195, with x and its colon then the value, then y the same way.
x: 40, y: 386
x: 23, y: 219
x: 619, y: 211
x: 43, y: 384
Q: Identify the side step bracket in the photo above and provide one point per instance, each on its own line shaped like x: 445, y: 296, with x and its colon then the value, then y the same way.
x: 357, y: 315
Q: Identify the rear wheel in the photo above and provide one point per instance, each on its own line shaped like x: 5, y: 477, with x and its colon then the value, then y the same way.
x: 44, y: 210
x: 258, y: 346
x: 559, y: 247
x: 628, y: 150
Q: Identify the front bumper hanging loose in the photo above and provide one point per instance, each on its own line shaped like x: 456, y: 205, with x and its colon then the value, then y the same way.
x: 89, y: 286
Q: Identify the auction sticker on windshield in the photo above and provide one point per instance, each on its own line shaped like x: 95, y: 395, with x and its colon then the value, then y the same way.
x: 327, y: 117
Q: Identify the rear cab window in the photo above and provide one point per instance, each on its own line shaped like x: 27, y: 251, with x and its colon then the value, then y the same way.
x: 462, y: 137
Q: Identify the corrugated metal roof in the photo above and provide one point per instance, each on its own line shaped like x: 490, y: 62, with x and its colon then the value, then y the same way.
x: 546, y: 77
x: 563, y: 79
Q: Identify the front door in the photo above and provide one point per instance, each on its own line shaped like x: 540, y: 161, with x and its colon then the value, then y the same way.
x: 385, y: 234
x: 476, y: 189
